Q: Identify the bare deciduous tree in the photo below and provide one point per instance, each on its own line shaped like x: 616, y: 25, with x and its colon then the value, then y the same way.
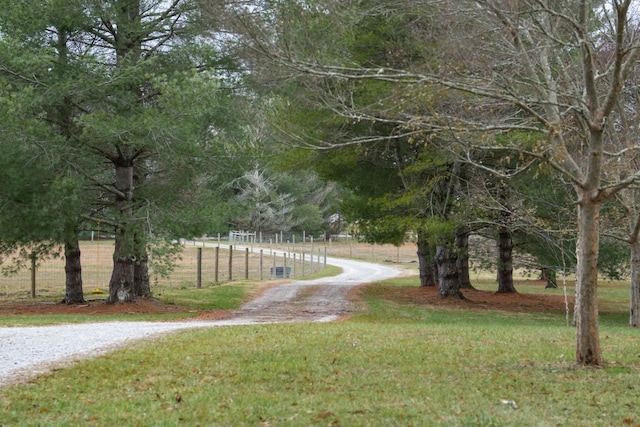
x: 551, y: 69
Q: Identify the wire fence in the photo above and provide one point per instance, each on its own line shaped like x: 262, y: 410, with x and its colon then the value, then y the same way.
x: 216, y: 263
x: 204, y: 262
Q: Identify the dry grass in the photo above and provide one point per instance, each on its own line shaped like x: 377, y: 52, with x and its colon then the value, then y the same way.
x: 97, y: 264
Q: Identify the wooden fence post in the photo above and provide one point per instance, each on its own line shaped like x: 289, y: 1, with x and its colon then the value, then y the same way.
x: 284, y: 265
x: 273, y: 267
x: 261, y: 265
x: 293, y: 270
x: 33, y: 274
x: 199, y: 270
x: 230, y: 263
x: 246, y: 263
x: 216, y: 258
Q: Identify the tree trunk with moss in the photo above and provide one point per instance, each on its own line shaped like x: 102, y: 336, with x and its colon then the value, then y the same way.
x: 505, y: 262
x: 588, y: 350
x: 426, y: 262
x: 73, y: 270
x: 142, y: 285
x: 121, y: 285
x: 448, y: 275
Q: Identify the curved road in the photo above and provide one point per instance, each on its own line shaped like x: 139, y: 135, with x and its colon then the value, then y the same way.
x: 28, y: 351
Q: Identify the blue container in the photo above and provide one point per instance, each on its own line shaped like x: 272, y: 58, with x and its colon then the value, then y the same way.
x: 280, y: 272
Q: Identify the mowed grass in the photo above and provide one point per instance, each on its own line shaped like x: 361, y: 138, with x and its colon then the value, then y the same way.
x: 390, y: 365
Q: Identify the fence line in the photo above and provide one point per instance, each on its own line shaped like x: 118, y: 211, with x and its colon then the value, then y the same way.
x: 249, y: 261
x: 240, y: 263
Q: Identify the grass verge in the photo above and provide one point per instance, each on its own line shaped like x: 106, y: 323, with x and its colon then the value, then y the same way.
x: 328, y: 271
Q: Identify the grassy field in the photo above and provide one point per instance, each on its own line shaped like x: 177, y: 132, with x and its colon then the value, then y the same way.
x: 392, y: 364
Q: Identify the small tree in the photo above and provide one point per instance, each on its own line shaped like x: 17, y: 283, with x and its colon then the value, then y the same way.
x: 265, y: 208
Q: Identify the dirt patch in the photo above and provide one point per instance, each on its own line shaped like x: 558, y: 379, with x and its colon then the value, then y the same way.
x: 426, y: 296
x: 474, y: 299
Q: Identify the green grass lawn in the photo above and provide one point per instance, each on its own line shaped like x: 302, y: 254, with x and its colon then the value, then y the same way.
x: 390, y: 365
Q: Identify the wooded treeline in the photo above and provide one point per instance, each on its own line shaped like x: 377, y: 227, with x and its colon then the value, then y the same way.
x: 161, y: 119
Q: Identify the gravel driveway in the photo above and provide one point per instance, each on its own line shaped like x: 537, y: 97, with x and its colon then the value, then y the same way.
x: 28, y: 351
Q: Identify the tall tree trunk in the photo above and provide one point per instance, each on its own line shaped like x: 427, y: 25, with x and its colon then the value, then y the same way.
x: 576, y: 301
x: 141, y: 275
x: 505, y: 262
x: 63, y: 116
x: 72, y: 269
x: 121, y: 285
x: 448, y: 276
x: 142, y: 284
x: 634, y: 305
x: 551, y: 278
x: 426, y: 262
x: 462, y: 245
x: 128, y: 47
x: 588, y: 351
